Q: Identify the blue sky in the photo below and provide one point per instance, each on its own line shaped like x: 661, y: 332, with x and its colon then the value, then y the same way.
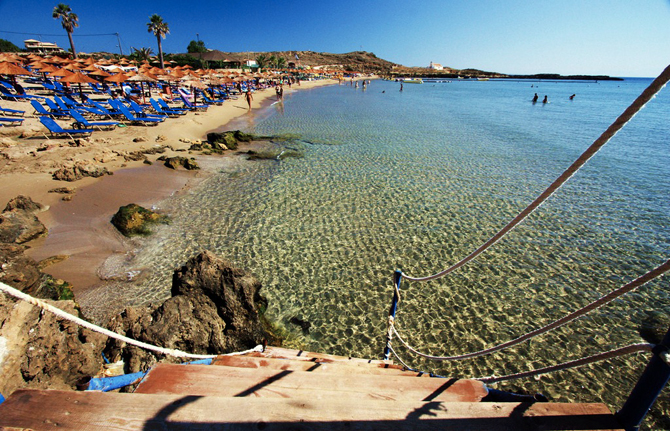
x: 611, y: 37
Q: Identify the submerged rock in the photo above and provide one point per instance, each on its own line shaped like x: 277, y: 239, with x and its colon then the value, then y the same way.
x: 133, y: 219
x: 230, y: 139
x: 215, y: 308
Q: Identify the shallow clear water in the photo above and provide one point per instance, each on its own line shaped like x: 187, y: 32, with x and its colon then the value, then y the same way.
x: 417, y: 180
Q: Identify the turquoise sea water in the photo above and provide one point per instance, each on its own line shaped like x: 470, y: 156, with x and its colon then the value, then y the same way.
x: 417, y: 180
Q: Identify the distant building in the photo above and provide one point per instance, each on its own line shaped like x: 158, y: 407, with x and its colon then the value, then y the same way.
x: 33, y: 45
x: 435, y: 66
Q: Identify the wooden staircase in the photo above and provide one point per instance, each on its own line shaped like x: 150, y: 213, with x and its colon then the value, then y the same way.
x: 291, y: 389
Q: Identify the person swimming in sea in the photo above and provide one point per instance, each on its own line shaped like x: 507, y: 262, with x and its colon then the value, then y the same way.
x: 545, y: 99
x: 572, y: 97
x: 535, y: 98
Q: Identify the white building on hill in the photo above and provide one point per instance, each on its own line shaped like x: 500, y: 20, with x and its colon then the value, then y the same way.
x: 435, y: 66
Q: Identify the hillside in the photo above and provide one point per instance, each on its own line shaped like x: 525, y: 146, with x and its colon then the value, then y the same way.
x: 359, y: 61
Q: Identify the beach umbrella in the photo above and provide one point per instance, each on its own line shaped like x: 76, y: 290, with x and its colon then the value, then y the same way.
x: 89, y: 68
x: 99, y: 72
x: 141, y: 78
x: 78, y: 78
x: 11, y: 69
x: 118, y: 78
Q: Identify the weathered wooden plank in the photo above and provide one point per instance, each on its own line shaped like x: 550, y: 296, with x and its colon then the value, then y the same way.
x: 243, y: 382
x: 280, y: 352
x: 315, y: 365
x: 37, y: 409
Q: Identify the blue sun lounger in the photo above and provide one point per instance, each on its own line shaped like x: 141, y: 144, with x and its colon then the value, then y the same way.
x: 133, y: 119
x: 81, y: 121
x: 58, y: 132
x: 169, y: 112
x: 8, y: 111
x: 11, y: 121
x: 39, y: 109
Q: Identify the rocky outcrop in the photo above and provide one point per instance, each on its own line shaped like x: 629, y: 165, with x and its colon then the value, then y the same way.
x: 44, y: 351
x: 18, y: 223
x: 230, y: 139
x: 215, y: 308
x: 179, y: 162
x: 79, y: 171
x: 133, y: 219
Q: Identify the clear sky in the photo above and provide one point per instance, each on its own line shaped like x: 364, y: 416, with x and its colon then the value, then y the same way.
x: 610, y: 37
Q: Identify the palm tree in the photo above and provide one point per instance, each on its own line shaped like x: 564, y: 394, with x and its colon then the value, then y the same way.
x: 262, y: 61
x: 142, y: 53
x: 159, y: 28
x: 69, y: 20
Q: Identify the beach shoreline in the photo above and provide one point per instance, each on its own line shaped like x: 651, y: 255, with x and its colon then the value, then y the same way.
x: 79, y: 229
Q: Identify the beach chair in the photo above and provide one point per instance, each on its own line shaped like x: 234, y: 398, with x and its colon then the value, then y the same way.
x: 165, y: 106
x: 111, y: 113
x: 11, y: 121
x: 133, y: 119
x: 7, y: 111
x: 40, y: 110
x: 84, y: 123
x: 55, y: 109
x: 58, y: 132
x: 139, y: 111
x: 170, y: 113
x: 192, y: 106
x: 207, y: 99
x: 6, y: 94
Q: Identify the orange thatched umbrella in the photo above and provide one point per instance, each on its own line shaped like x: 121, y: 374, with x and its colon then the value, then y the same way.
x: 141, y: 78
x: 118, y: 78
x: 89, y: 68
x: 11, y: 69
x: 99, y: 72
x: 78, y: 78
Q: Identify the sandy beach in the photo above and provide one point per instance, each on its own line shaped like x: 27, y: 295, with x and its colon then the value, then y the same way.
x: 80, y: 233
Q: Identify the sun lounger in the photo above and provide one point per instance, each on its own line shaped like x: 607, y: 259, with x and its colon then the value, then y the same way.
x: 170, y: 113
x: 39, y: 109
x: 106, y: 112
x: 57, y: 131
x: 16, y: 97
x: 7, y: 111
x: 11, y: 121
x: 139, y: 111
x: 133, y: 119
x: 193, y: 106
x: 165, y: 106
x: 84, y: 123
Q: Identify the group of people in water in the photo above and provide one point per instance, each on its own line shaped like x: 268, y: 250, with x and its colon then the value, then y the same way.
x: 546, y: 99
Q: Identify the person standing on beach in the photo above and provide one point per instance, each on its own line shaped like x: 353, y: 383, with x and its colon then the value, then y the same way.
x: 249, y: 97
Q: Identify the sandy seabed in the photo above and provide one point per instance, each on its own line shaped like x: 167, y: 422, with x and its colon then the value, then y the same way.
x: 79, y: 229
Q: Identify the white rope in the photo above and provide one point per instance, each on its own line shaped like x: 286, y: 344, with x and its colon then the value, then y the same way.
x: 632, y: 348
x: 67, y: 316
x: 399, y: 359
x: 656, y: 272
x: 627, y: 115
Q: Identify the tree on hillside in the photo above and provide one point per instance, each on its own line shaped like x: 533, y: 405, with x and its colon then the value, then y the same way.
x: 7, y: 46
x: 142, y: 54
x: 196, y: 46
x: 159, y: 28
x: 281, y: 63
x: 262, y: 61
x: 69, y: 20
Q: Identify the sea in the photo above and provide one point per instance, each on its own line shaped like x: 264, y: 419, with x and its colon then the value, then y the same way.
x: 367, y: 181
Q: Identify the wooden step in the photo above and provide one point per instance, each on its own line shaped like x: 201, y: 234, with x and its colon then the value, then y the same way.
x: 280, y: 352
x: 314, y: 365
x: 206, y: 380
x: 42, y: 409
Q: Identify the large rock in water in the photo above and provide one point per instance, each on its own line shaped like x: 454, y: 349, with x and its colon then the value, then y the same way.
x: 230, y: 139
x: 133, y: 219
x: 18, y: 223
x: 215, y: 308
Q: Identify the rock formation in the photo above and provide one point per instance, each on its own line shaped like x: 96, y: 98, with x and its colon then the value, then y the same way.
x: 215, y: 308
x: 18, y: 223
x: 133, y: 219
